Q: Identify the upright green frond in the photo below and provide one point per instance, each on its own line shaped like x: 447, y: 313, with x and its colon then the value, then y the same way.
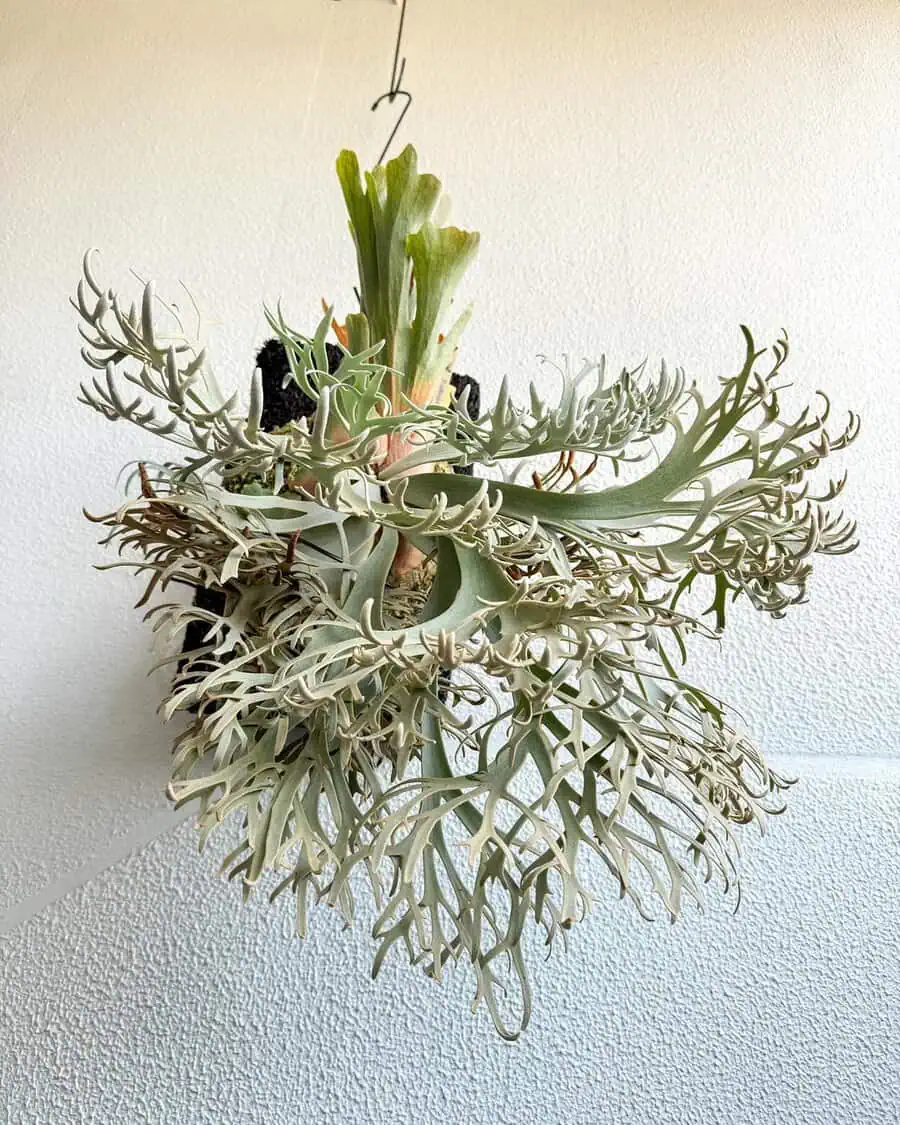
x: 408, y: 272
x: 440, y: 257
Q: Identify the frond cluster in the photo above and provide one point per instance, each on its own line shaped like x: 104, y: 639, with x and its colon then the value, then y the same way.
x: 468, y: 739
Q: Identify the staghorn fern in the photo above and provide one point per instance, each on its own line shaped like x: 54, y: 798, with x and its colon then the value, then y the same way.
x: 462, y: 693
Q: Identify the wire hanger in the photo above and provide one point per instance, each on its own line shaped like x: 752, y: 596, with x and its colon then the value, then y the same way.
x: 395, y: 90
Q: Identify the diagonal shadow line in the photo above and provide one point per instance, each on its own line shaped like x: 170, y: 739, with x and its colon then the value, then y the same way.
x: 133, y: 841
x: 863, y: 767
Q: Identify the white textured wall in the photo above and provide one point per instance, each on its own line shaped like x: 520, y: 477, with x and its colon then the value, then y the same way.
x: 645, y: 176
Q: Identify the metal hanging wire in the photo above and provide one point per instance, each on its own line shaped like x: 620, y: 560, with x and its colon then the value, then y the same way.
x: 395, y: 89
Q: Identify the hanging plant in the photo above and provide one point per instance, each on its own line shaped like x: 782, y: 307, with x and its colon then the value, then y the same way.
x: 458, y: 691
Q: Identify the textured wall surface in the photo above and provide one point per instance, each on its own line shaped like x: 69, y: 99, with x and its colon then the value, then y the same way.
x: 646, y: 176
x: 149, y: 995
